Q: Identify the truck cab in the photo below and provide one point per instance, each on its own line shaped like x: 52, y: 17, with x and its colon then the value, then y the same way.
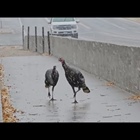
x: 64, y: 27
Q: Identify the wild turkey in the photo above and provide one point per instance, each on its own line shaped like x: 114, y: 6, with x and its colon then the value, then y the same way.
x: 75, y: 78
x: 51, y: 79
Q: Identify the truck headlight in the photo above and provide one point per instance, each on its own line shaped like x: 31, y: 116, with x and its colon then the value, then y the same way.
x: 73, y: 26
x: 55, y: 27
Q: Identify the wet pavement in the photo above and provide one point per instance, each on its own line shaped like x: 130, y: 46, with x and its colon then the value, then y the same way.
x: 10, y: 31
x: 24, y: 76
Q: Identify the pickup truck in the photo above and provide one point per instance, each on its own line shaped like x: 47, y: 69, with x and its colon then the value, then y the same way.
x: 64, y: 26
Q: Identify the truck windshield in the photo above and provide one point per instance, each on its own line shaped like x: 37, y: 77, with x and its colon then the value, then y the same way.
x: 62, y: 19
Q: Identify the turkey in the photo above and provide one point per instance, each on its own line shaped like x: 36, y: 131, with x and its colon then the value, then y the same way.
x: 75, y: 78
x: 51, y: 79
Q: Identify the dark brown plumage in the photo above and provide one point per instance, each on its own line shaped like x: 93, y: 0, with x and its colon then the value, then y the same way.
x: 51, y: 79
x: 75, y: 78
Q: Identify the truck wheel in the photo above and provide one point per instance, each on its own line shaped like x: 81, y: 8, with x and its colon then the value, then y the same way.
x: 75, y: 36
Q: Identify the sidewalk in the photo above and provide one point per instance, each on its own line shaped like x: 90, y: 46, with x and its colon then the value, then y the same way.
x: 24, y: 75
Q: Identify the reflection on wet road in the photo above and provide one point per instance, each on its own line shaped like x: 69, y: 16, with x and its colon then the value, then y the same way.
x: 53, y: 111
x: 79, y: 112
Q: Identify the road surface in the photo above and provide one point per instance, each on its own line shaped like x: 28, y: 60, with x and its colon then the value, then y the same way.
x: 110, y: 30
x: 24, y: 75
x: 10, y: 32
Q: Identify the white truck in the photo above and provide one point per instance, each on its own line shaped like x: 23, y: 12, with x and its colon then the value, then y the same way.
x: 64, y: 26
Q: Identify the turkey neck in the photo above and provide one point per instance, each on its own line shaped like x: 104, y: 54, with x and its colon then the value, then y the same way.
x: 53, y: 71
x: 65, y: 66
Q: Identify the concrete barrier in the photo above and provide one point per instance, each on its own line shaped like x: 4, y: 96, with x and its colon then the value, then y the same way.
x: 119, y: 64
x: 115, y: 63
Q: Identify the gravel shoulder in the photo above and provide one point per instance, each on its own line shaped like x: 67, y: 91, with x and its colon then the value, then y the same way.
x: 8, y: 51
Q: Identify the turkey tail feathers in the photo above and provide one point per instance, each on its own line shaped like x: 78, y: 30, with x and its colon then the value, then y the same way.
x: 86, y: 89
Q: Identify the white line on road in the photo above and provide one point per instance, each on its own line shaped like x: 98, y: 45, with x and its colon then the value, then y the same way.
x: 47, y: 19
x: 119, y: 36
x: 115, y: 25
x: 84, y: 25
x: 20, y: 22
x: 132, y: 21
x: 21, y: 25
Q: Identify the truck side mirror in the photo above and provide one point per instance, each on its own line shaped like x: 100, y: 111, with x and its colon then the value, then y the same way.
x: 49, y: 21
x: 77, y: 20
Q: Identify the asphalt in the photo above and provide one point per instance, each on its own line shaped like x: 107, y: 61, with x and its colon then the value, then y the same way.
x: 10, y: 32
x: 24, y: 75
x: 119, y: 31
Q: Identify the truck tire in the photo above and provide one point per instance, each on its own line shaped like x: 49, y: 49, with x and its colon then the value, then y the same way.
x: 76, y: 35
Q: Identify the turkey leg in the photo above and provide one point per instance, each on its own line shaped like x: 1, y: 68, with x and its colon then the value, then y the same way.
x: 52, y: 99
x: 78, y: 89
x: 75, y: 101
x: 49, y: 95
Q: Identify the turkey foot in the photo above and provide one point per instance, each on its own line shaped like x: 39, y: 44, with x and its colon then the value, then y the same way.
x: 75, y: 102
x: 52, y: 99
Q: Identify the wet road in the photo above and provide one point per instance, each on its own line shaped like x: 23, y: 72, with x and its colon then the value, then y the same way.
x: 25, y: 77
x: 32, y: 22
x: 110, y: 30
x: 10, y: 31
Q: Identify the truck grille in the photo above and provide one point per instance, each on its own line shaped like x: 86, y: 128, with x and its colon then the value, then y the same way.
x: 65, y: 32
x: 64, y: 27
